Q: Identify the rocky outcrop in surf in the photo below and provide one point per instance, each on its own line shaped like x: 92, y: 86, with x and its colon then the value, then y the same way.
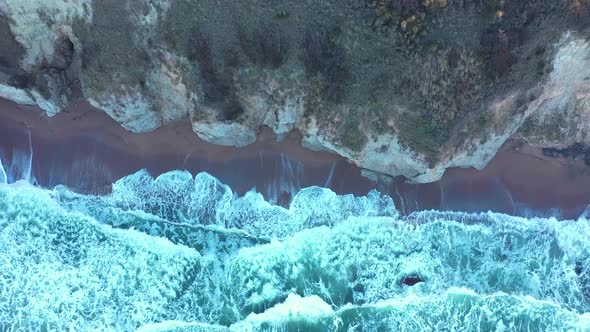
x: 398, y: 87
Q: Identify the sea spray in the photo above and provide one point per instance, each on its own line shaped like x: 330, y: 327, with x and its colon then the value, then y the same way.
x: 19, y: 166
x: 3, y: 176
x: 184, y: 253
x: 288, y: 182
x: 330, y: 176
x: 28, y: 169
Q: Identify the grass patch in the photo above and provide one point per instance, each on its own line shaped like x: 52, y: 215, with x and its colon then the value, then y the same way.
x: 422, y: 135
x: 264, y: 47
x: 352, y: 137
x: 180, y: 28
x: 323, y: 56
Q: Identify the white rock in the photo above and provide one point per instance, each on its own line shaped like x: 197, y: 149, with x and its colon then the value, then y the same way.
x: 19, y: 96
x: 225, y: 133
x: 566, y: 96
x: 131, y: 109
x: 30, y: 28
x: 273, y: 98
x: 173, y: 101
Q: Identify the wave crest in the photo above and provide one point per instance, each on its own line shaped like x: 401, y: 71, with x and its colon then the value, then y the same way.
x: 184, y: 253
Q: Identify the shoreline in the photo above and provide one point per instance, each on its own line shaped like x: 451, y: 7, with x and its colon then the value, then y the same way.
x: 86, y: 149
x: 82, y: 119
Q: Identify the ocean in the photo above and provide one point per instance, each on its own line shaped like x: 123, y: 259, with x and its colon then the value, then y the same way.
x: 186, y: 253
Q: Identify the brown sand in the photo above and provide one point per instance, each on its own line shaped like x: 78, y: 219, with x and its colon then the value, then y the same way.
x: 83, y: 141
x: 83, y: 138
x: 530, y: 177
x: 82, y: 119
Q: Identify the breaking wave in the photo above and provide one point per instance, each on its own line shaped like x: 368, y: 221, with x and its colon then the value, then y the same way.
x: 184, y: 253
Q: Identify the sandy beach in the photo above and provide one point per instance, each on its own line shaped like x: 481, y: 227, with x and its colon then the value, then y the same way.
x: 87, y: 150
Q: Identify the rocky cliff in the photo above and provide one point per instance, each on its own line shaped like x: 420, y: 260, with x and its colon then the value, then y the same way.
x: 399, y: 87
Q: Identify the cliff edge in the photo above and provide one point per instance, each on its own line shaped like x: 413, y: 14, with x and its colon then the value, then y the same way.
x: 399, y: 87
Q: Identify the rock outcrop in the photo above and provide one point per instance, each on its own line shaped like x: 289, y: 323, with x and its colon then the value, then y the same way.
x: 398, y: 87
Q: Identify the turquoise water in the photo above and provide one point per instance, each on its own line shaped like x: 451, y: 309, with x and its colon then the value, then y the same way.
x: 184, y: 253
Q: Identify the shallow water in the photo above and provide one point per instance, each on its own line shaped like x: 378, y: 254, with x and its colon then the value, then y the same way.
x: 185, y: 253
x: 266, y: 250
x: 90, y: 163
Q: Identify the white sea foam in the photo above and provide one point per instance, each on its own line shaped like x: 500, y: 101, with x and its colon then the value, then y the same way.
x: 184, y: 253
x: 3, y: 176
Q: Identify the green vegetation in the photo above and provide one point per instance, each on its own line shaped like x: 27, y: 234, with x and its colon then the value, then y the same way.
x: 313, y: 100
x: 407, y: 15
x: 447, y: 83
x: 543, y: 65
x: 351, y: 136
x: 436, y: 66
x: 444, y: 85
x: 12, y: 53
x: 266, y: 47
x: 180, y: 28
x: 422, y: 135
x: 550, y: 128
x: 110, y: 54
x: 376, y: 115
x: 208, y: 71
x: 324, y: 57
x: 282, y: 15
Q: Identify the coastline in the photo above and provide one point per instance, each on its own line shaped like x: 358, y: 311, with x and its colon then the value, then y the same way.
x: 85, y: 149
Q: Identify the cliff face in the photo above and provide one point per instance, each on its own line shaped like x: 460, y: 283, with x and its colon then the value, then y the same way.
x: 400, y: 87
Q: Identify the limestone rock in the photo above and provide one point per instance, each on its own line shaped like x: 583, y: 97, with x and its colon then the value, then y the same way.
x: 563, y: 115
x: 228, y: 134
x: 42, y: 30
x: 17, y: 95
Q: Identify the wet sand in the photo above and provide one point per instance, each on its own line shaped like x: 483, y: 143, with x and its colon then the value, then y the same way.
x: 87, y: 150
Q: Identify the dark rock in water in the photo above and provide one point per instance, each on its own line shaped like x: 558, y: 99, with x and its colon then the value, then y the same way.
x: 573, y: 152
x: 579, y: 269
x: 411, y: 280
x: 551, y: 153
